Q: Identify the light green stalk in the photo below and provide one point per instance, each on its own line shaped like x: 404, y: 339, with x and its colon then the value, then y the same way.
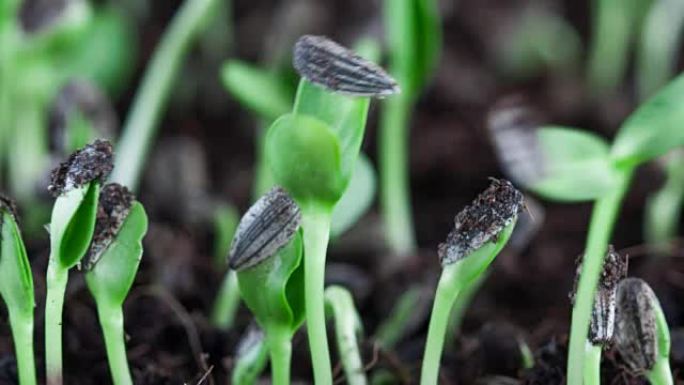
x: 111, y: 320
x: 141, y: 125
x: 592, y: 364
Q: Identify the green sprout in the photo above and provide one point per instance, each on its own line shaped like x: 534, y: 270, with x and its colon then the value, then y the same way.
x: 571, y: 165
x: 76, y: 184
x: 16, y: 289
x: 228, y: 298
x: 111, y: 265
x: 251, y: 356
x: 142, y: 122
x: 312, y: 153
x: 641, y: 333
x: 657, y: 51
x: 664, y: 207
x: 614, y: 27
x: 602, y: 324
x: 414, y: 38
x: 267, y: 256
x: 480, y: 231
x: 348, y: 326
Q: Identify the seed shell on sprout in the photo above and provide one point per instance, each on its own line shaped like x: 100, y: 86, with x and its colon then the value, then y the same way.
x: 602, y: 325
x: 92, y: 162
x: 482, y: 221
x: 84, y: 97
x: 336, y: 68
x: 513, y: 127
x: 266, y: 227
x: 635, y: 326
x: 114, y: 205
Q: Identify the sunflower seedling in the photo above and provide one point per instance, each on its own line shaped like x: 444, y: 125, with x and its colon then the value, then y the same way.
x: 480, y: 231
x: 76, y: 184
x: 348, y: 327
x: 16, y: 290
x: 312, y: 153
x: 641, y: 333
x: 251, y: 356
x: 602, y: 324
x: 111, y: 265
x: 267, y: 255
x: 414, y: 38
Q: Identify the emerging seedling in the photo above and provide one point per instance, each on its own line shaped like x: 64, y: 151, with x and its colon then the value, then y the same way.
x: 480, y: 231
x: 641, y: 333
x: 76, y: 184
x: 312, y: 152
x: 348, y: 327
x: 266, y: 254
x: 251, y: 356
x: 16, y: 290
x: 414, y: 38
x: 111, y: 264
x: 602, y: 323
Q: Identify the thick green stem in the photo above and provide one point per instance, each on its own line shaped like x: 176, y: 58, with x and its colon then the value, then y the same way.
x: 141, y: 126
x: 661, y: 374
x: 347, y: 325
x: 603, y: 220
x: 280, y: 346
x: 316, y: 226
x: 227, y: 302
x: 592, y: 364
x: 22, y: 334
x: 112, y: 321
x: 57, y: 278
x: 395, y: 196
x: 445, y: 296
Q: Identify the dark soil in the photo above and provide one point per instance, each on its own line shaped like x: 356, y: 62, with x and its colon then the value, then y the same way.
x: 170, y: 340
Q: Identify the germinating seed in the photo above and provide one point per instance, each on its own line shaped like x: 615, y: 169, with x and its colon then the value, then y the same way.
x: 80, y: 96
x: 482, y: 221
x: 113, y: 208
x: 326, y: 63
x: 602, y: 324
x: 266, y: 227
x: 92, y: 162
x: 635, y: 326
x: 512, y: 127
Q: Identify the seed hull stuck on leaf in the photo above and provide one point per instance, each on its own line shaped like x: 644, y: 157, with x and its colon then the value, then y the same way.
x: 328, y: 64
x: 266, y: 227
x: 92, y: 162
x: 481, y: 221
x: 513, y: 131
x: 635, y: 326
x: 602, y: 324
x: 8, y: 205
x: 113, y: 208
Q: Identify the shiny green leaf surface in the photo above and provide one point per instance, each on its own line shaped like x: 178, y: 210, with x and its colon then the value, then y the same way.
x: 73, y: 223
x: 16, y: 279
x: 577, y: 165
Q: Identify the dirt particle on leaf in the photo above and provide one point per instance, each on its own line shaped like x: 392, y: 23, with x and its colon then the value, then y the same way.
x: 92, y: 162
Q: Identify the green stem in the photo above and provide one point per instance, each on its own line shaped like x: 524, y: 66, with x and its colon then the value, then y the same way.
x: 460, y: 307
x: 661, y: 374
x: 316, y: 226
x: 395, y: 196
x: 142, y: 122
x: 22, y: 334
x: 603, y: 220
x: 448, y: 290
x: 112, y: 323
x: 227, y: 302
x: 347, y: 325
x: 280, y: 346
x: 592, y: 364
x: 57, y: 278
